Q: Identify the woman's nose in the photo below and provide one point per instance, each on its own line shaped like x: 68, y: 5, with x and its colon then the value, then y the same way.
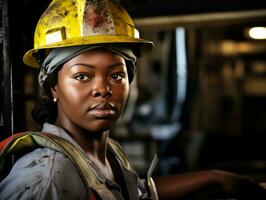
x: 101, y: 90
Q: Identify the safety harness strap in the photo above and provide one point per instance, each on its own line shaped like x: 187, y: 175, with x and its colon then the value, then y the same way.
x: 122, y: 156
x: 152, y: 191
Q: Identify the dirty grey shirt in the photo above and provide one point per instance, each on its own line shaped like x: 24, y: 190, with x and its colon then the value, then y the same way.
x: 44, y: 174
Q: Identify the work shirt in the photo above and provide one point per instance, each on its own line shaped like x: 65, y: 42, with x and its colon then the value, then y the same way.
x: 48, y: 174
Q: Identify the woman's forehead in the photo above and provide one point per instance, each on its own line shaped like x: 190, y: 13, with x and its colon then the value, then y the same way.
x: 97, y: 58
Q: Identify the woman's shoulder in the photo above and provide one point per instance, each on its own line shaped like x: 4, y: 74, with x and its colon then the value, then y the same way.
x: 44, y: 161
x: 42, y: 172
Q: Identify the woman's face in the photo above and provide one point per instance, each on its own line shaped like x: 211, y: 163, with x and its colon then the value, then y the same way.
x: 92, y: 90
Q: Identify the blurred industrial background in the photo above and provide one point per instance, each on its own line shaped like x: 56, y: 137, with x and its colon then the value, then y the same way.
x: 198, y: 100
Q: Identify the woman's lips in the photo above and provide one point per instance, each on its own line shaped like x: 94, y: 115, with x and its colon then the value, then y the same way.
x: 102, y: 110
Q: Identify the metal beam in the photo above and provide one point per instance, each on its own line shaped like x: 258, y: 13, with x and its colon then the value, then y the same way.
x: 6, y: 75
x: 214, y: 19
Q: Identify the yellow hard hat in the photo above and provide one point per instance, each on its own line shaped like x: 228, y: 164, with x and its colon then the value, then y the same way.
x: 84, y: 22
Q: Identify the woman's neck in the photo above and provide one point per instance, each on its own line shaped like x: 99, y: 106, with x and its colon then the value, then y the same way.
x: 93, y: 144
x: 96, y: 149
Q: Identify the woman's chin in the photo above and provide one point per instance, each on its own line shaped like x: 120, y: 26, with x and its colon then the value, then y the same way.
x: 102, y: 125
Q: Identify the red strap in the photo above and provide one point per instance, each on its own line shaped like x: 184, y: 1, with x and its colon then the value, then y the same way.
x: 92, y: 196
x: 4, y: 142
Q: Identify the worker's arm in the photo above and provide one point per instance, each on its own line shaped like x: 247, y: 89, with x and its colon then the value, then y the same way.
x: 208, y: 184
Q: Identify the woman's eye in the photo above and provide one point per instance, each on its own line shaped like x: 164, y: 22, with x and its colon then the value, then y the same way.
x: 117, y: 76
x: 82, y: 77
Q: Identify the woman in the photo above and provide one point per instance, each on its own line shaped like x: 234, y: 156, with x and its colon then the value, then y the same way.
x: 86, y: 68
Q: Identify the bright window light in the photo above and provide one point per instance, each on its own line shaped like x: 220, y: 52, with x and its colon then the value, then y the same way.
x: 257, y: 33
x: 181, y: 61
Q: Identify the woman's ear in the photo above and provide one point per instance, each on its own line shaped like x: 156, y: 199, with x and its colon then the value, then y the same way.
x: 54, y: 93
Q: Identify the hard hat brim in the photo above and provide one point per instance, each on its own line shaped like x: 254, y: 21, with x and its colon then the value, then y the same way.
x: 143, y: 46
